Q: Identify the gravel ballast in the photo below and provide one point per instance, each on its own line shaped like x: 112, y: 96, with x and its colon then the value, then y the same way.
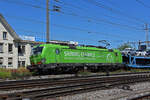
x: 116, y: 93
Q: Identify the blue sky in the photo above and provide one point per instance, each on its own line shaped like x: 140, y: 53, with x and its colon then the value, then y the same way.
x: 84, y: 21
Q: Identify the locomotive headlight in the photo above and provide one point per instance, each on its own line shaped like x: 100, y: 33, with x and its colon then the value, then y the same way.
x: 43, y: 60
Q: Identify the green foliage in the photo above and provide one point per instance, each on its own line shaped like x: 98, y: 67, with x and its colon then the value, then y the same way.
x: 123, y: 46
x: 129, y: 71
x: 4, y: 75
x: 14, y: 73
x: 84, y: 73
x: 139, y: 70
x: 20, y: 73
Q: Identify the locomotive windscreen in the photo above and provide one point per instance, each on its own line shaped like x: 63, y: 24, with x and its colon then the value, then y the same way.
x: 37, y: 50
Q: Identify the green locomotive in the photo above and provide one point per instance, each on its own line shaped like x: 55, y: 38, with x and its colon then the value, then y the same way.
x: 51, y: 58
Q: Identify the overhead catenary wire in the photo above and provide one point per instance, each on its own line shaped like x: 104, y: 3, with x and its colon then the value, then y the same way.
x: 66, y: 27
x: 77, y: 29
x: 40, y: 1
x: 142, y: 3
x: 90, y: 32
x: 24, y: 4
x: 62, y: 26
x: 112, y: 3
x: 25, y: 19
x: 98, y: 21
x: 102, y: 14
x: 76, y: 14
x: 99, y: 4
x: 36, y: 6
x: 32, y: 34
x: 103, y: 20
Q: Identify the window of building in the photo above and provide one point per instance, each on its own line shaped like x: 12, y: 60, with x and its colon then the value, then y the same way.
x: 31, y: 50
x: 4, y: 35
x: 1, y: 64
x: 21, y: 63
x: 1, y: 48
x: 21, y: 50
x: 10, y: 62
x: 1, y: 61
x: 10, y: 48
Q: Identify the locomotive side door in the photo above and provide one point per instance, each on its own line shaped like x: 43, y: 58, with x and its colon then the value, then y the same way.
x: 57, y: 55
x: 117, y: 57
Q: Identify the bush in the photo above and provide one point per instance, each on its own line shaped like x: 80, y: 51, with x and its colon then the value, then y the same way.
x: 14, y: 73
x: 20, y: 73
x: 5, y: 73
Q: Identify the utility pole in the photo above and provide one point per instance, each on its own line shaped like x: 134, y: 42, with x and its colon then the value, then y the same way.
x: 47, y: 21
x: 146, y: 30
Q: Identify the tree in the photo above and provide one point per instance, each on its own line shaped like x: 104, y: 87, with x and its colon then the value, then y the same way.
x: 123, y: 46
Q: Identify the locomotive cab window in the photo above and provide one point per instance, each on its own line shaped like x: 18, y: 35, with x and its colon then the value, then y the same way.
x: 116, y: 54
x: 37, y: 50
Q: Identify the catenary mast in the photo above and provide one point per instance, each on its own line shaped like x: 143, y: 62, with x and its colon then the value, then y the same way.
x: 47, y: 22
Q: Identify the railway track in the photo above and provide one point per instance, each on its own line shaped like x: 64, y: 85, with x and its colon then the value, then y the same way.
x: 143, y: 97
x: 68, y: 86
x: 24, y: 84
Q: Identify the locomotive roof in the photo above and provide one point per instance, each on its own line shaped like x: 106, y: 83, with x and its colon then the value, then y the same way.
x: 76, y: 47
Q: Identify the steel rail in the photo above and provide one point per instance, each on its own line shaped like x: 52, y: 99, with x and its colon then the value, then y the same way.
x: 72, y: 77
x: 76, y: 88
x: 143, y: 97
x: 45, y: 83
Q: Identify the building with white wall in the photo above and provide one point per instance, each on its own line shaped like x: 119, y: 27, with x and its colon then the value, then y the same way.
x: 14, y: 52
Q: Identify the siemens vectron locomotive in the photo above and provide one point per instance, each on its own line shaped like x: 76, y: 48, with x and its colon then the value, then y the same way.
x: 59, y: 58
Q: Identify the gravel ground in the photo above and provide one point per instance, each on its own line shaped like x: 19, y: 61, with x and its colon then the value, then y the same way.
x: 118, y: 93
x: 48, y: 76
x: 41, y: 77
x: 51, y: 76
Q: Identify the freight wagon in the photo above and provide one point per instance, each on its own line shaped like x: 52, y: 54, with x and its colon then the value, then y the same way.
x: 60, y: 58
